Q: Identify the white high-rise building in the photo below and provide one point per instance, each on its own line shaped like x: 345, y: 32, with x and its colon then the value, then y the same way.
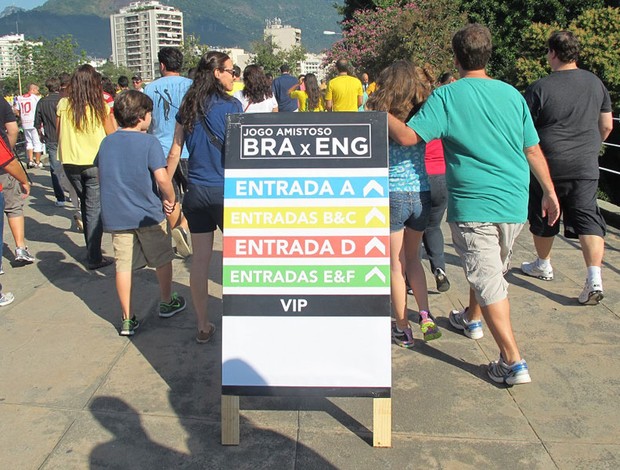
x: 139, y: 31
x: 313, y: 64
x: 8, y: 49
x: 284, y: 36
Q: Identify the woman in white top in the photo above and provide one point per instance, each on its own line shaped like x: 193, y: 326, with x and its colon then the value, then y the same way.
x: 256, y: 96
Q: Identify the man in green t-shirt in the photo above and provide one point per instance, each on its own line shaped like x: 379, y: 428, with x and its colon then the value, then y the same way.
x: 490, y: 145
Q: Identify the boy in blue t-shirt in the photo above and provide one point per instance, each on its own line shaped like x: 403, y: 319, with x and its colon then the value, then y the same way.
x: 132, y: 173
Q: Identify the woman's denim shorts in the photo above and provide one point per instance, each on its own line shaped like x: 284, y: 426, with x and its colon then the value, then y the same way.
x: 409, y: 209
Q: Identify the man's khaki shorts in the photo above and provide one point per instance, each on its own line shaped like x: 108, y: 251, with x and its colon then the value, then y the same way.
x: 13, y: 201
x: 145, y: 246
x: 485, y: 250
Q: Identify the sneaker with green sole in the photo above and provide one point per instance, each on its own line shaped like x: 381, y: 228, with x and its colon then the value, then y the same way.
x: 177, y: 304
x: 129, y: 326
x: 429, y: 328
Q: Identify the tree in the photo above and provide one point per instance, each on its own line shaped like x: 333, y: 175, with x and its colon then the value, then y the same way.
x: 113, y: 71
x: 418, y: 31
x: 270, y: 56
x: 351, y: 6
x: 192, y: 50
x: 508, y: 19
x: 599, y: 40
x: 48, y: 58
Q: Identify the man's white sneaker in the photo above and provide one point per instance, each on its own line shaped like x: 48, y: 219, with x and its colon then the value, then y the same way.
x: 591, y: 294
x: 533, y: 269
x: 471, y: 329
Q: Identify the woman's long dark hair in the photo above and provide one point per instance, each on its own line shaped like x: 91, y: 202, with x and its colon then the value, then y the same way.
x: 204, y: 86
x: 313, y: 91
x: 256, y: 86
x: 85, y: 95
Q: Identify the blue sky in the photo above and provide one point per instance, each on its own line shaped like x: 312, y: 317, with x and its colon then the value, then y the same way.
x: 25, y: 4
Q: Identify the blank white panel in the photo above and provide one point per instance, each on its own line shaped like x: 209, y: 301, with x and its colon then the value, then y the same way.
x: 306, y: 351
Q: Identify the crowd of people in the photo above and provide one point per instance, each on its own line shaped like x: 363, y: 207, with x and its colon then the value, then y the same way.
x: 147, y: 164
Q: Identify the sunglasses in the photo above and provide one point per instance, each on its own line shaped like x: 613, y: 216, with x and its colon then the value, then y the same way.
x: 230, y: 71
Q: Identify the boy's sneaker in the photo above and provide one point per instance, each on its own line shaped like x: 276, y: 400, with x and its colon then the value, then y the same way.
x: 39, y: 165
x: 32, y: 164
x: 428, y: 327
x: 402, y: 338
x: 181, y: 241
x: 60, y: 203
x: 471, y: 329
x: 533, y: 269
x: 6, y: 299
x: 591, y: 294
x: 443, y: 285
x: 176, y: 305
x: 23, y: 255
x: 129, y: 326
x: 515, y: 374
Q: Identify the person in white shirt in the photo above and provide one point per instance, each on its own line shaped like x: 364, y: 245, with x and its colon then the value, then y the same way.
x: 25, y: 106
x: 256, y: 96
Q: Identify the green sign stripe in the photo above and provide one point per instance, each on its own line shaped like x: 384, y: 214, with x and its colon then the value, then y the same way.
x: 306, y: 276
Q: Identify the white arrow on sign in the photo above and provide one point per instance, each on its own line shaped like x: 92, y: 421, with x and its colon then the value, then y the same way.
x: 375, y: 243
x: 373, y: 185
x: 375, y: 272
x: 375, y: 213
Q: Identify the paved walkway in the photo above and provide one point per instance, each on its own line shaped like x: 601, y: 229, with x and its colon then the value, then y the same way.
x: 73, y: 394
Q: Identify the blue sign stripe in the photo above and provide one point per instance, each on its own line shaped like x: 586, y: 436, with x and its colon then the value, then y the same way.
x: 306, y: 188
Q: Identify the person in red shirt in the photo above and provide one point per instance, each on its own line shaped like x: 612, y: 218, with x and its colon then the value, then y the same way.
x: 433, y: 236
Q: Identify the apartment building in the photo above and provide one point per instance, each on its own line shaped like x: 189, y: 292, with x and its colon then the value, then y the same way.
x: 138, y: 32
x: 313, y: 64
x: 8, y: 48
x: 284, y: 36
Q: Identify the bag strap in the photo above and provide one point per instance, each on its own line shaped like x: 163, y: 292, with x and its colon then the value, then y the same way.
x: 215, y: 140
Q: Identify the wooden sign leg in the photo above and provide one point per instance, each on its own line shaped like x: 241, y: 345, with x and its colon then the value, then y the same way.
x: 382, y: 422
x: 230, y: 420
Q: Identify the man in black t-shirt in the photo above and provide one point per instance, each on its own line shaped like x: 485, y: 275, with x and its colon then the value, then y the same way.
x: 45, y: 122
x: 572, y: 114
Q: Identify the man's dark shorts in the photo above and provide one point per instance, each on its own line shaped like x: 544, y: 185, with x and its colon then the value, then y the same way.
x: 203, y: 208
x: 580, y: 212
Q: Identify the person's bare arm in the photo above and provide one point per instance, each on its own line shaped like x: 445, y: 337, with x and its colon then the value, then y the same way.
x: 165, y: 187
x: 538, y: 166
x: 401, y: 133
x: 109, y: 124
x: 174, y: 154
x: 12, y: 131
x: 605, y: 125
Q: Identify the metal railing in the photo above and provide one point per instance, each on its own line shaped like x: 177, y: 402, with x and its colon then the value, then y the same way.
x: 609, y: 144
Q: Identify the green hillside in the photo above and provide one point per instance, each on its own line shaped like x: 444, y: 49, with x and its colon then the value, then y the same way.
x: 216, y: 22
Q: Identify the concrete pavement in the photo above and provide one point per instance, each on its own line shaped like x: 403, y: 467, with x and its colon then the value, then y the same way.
x: 73, y: 394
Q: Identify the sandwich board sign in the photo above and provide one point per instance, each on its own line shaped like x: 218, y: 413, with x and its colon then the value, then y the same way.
x: 306, y: 266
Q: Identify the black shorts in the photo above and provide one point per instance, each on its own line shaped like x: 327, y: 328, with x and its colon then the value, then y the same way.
x: 580, y: 212
x: 203, y: 208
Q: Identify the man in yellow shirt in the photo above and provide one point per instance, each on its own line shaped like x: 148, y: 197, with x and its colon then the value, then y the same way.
x: 344, y: 92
